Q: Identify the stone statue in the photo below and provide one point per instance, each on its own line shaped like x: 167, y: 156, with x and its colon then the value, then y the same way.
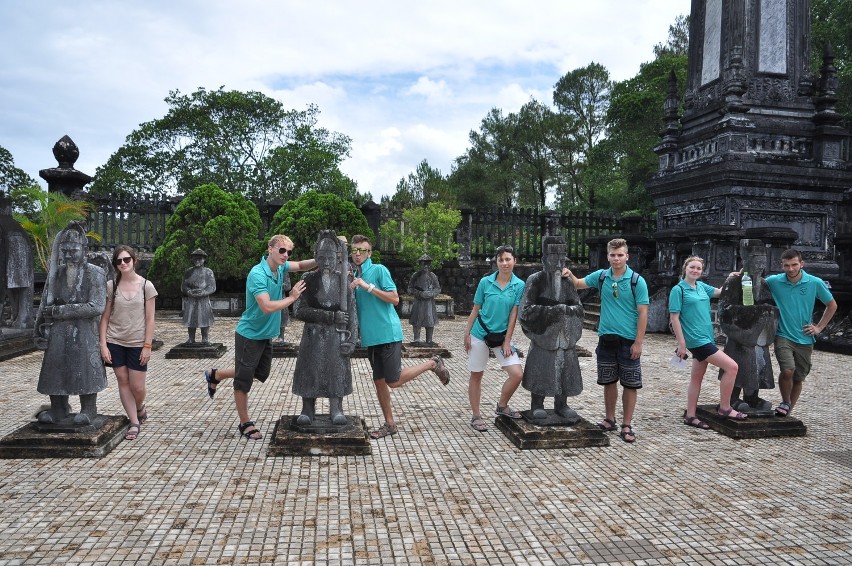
x: 424, y: 286
x: 67, y: 328
x: 327, y: 306
x: 285, y: 315
x: 16, y: 270
x: 198, y: 284
x: 551, y: 316
x: 749, y: 330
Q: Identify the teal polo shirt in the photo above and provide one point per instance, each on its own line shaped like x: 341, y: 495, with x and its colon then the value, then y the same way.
x: 496, y: 303
x: 796, y: 303
x: 694, y: 308
x: 377, y: 320
x: 619, y: 315
x: 254, y: 324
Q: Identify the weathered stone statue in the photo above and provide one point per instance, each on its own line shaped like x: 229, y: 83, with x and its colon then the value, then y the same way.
x: 67, y: 328
x: 285, y: 316
x: 749, y: 330
x: 424, y: 287
x: 551, y: 316
x: 198, y: 284
x: 327, y: 306
x: 16, y: 270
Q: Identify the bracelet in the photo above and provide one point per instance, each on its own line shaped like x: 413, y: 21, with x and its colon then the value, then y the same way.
x: 370, y: 288
x: 146, y: 345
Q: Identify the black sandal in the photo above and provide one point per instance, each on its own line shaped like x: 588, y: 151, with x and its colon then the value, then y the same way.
x: 250, y: 434
x: 695, y: 422
x: 607, y: 425
x: 625, y: 433
x: 210, y: 378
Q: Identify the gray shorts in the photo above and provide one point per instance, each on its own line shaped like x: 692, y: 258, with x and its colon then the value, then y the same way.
x: 615, y: 364
x: 252, y: 360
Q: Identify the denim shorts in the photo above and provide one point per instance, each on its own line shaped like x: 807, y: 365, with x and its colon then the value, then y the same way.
x: 615, y: 364
x: 126, y: 356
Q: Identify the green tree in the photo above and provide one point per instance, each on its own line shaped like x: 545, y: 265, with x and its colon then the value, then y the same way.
x: 428, y: 230
x: 12, y: 180
x: 50, y: 213
x: 302, y: 219
x: 426, y: 184
x: 226, y: 226
x: 831, y: 23
x: 245, y: 142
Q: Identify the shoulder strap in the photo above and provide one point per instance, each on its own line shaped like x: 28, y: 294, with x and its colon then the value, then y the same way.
x: 482, y: 324
x: 601, y: 279
x: 634, y: 279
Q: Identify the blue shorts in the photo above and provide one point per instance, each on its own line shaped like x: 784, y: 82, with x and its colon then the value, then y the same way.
x: 615, y: 364
x: 126, y: 356
x: 701, y: 353
x: 386, y: 361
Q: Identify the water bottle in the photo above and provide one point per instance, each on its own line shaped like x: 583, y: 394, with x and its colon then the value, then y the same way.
x: 748, y: 295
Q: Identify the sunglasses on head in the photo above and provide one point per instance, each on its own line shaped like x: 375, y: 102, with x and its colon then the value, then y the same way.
x: 504, y: 249
x: 119, y: 260
x: 361, y: 250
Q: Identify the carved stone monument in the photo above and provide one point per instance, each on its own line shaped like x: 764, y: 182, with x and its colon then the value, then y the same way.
x: 16, y: 285
x: 327, y: 307
x: 198, y: 284
x: 551, y: 316
x: 424, y: 287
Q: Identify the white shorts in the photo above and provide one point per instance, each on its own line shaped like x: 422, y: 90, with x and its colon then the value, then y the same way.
x: 477, y: 358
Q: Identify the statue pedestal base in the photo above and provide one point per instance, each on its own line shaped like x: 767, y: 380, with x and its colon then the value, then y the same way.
x: 284, y: 349
x: 424, y: 350
x: 528, y: 436
x: 752, y: 427
x: 321, y: 438
x: 39, y: 440
x: 196, y: 350
x: 14, y: 343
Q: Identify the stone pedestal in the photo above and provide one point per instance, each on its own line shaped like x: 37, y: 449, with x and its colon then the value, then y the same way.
x: 424, y: 350
x: 38, y: 440
x: 14, y: 343
x: 196, y: 350
x: 752, y: 427
x: 528, y: 436
x: 321, y: 438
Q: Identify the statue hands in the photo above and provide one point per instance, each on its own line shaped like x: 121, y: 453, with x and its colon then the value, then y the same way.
x: 346, y: 348
x: 341, y: 317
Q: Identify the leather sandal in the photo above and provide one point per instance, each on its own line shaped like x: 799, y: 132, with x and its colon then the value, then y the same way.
x: 253, y: 434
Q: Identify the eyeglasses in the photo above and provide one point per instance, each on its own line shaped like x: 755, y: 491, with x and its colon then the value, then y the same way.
x: 361, y: 250
x: 283, y: 251
x: 615, y: 290
x: 118, y: 261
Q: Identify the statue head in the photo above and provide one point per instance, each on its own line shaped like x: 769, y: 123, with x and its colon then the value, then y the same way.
x: 753, y: 255
x: 553, y: 253
x: 327, y: 250
x: 72, y: 243
x: 425, y: 262
x: 198, y: 256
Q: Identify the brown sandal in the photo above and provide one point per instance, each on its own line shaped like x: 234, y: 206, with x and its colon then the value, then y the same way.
x: 386, y: 429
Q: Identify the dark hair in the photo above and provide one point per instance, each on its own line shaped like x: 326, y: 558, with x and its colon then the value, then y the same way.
x: 505, y: 249
x: 118, y: 249
x: 359, y: 239
x: 791, y: 254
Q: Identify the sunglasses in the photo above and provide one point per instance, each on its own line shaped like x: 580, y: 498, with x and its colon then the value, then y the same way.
x: 283, y: 251
x: 504, y: 249
x: 361, y: 250
x: 118, y: 261
x: 615, y: 290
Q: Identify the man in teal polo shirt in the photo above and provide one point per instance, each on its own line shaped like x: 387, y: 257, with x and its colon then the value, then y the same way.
x: 621, y: 331
x: 381, y: 332
x: 258, y: 325
x: 795, y: 292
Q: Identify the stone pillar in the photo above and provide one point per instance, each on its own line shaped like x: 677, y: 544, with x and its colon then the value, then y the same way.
x: 64, y: 178
x: 373, y: 213
x: 463, y: 236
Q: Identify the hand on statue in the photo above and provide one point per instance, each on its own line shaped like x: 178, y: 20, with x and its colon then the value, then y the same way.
x: 297, y: 289
x: 357, y: 282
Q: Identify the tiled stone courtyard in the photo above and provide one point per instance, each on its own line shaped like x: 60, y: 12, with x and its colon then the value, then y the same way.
x: 190, y: 491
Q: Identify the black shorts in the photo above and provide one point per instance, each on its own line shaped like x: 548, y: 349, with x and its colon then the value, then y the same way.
x: 386, y: 361
x: 701, y: 353
x: 126, y: 356
x: 252, y: 360
x: 615, y: 363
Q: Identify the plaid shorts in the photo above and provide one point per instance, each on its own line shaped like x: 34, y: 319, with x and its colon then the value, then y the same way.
x: 615, y: 364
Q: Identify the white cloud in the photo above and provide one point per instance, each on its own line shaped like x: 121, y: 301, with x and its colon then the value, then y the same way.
x: 405, y: 81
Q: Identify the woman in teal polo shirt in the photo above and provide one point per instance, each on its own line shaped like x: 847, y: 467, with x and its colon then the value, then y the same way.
x: 495, y: 305
x: 689, y: 308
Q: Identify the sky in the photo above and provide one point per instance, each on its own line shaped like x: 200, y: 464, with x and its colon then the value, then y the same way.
x: 406, y: 81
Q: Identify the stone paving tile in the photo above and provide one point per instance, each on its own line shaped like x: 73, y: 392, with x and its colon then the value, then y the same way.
x: 190, y: 491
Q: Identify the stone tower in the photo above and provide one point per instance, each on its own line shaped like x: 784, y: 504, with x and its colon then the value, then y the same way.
x: 759, y: 146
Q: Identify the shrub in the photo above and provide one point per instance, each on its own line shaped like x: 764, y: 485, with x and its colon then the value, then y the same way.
x: 427, y: 230
x: 302, y: 219
x: 227, y: 226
